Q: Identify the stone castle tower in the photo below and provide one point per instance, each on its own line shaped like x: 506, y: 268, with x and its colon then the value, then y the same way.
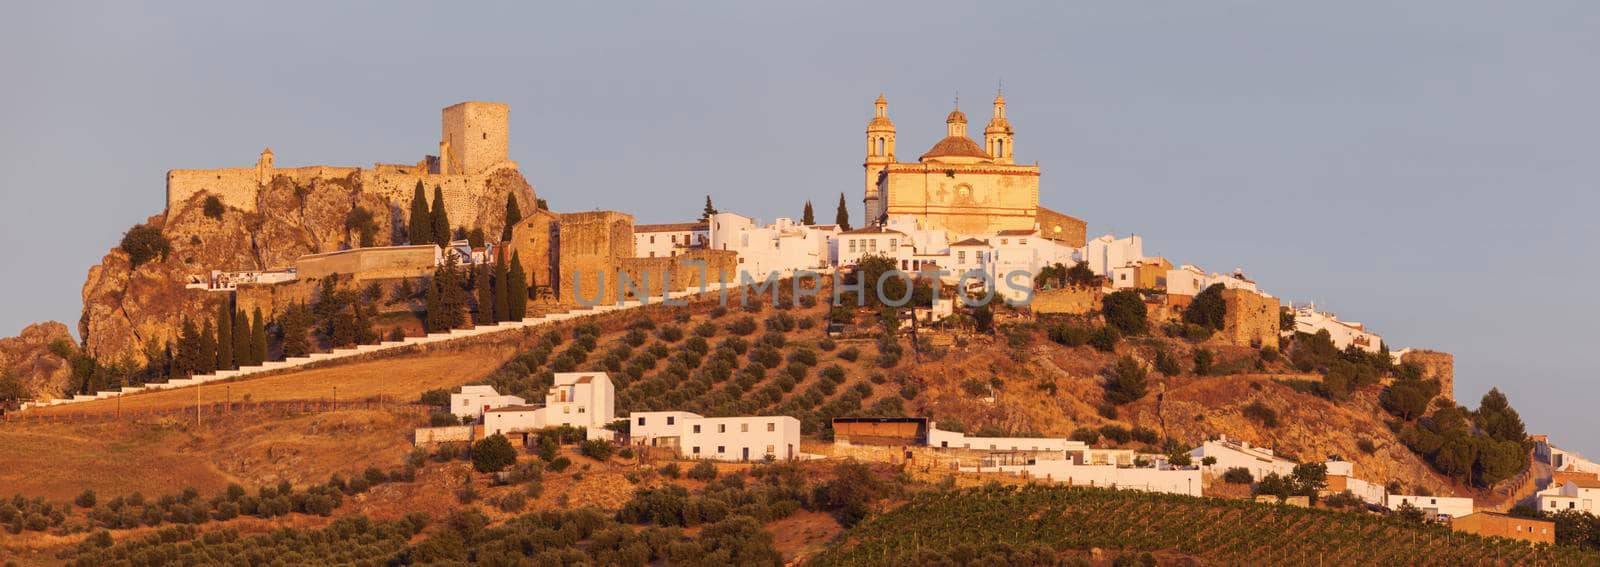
x: 475, y: 137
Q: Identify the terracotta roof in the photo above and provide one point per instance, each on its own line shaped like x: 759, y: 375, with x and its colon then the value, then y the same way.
x: 873, y: 230
x: 670, y: 227
x: 971, y: 242
x: 585, y: 380
x: 1585, y: 482
x: 824, y: 226
x: 956, y: 146
x: 1017, y: 232
x: 508, y: 409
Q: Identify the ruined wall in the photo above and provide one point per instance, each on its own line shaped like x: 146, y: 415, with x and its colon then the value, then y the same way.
x: 1435, y: 365
x: 590, y: 244
x: 531, y: 241
x: 370, y: 263
x: 1069, y: 230
x: 1067, y: 301
x: 678, y: 271
x: 1251, y: 320
x: 273, y: 298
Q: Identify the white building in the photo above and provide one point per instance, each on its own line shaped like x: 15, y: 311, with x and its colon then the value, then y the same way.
x: 1235, y: 453
x: 1341, y: 478
x: 783, y: 246
x: 1186, y: 481
x: 957, y: 440
x: 852, y: 245
x: 472, y: 401
x: 668, y: 240
x: 1344, y: 333
x: 1450, y: 506
x: 1582, y: 495
x: 721, y: 438
x: 1107, y: 251
x: 1191, y: 280
x: 578, y: 399
x: 1562, y: 459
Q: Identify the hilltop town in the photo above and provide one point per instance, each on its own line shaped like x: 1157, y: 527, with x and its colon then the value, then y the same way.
x: 330, y: 341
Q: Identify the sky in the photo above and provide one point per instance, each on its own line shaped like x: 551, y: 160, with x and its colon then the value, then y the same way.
x: 1427, y: 168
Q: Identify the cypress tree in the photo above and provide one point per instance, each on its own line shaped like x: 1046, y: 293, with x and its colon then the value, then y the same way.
x: 258, y: 338
x: 486, y: 314
x: 441, y: 219
x: 207, y: 361
x: 188, y: 357
x: 420, y: 224
x: 225, y: 328
x: 502, y: 297
x: 242, y: 351
x: 517, y: 292
x: 513, y: 216
x: 842, y: 218
x: 705, y: 215
x: 808, y: 218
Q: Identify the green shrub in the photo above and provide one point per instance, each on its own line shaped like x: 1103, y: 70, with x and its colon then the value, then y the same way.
x: 703, y: 471
x: 559, y: 464
x: 144, y: 243
x: 1238, y: 475
x: 493, y: 454
x: 1104, y: 339
x: 597, y: 449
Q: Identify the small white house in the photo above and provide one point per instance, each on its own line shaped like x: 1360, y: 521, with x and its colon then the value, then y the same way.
x: 956, y: 440
x: 1107, y: 251
x: 472, y: 401
x: 668, y: 240
x: 1582, y: 495
x: 579, y: 399
x: 1235, y: 453
x: 852, y: 245
x: 1343, y: 333
x: 721, y: 438
x: 1450, y: 506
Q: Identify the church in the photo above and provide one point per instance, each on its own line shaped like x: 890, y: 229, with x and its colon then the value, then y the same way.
x: 958, y: 185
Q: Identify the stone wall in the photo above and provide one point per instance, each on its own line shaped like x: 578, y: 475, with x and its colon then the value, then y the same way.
x: 370, y: 263
x: 679, y: 271
x: 1435, y: 365
x: 1069, y: 230
x: 1067, y: 301
x: 1251, y: 320
x: 589, y: 244
x: 272, y: 298
x: 531, y: 241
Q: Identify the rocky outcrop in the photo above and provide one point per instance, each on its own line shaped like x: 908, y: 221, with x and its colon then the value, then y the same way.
x: 126, y: 310
x: 28, y: 358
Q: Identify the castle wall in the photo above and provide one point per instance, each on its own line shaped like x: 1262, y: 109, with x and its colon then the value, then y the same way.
x: 1067, y: 301
x: 476, y: 137
x: 591, y: 244
x: 1070, y: 230
x: 964, y: 199
x: 1251, y: 319
x: 236, y: 186
x: 370, y: 263
x: 1435, y: 366
x: 531, y: 242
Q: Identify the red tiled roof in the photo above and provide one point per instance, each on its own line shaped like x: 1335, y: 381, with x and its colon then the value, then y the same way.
x: 955, y: 146
x: 873, y: 230
x: 507, y: 409
x: 1016, y: 232
x: 971, y: 242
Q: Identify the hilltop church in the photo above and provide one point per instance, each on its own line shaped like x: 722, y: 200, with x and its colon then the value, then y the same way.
x: 958, y: 185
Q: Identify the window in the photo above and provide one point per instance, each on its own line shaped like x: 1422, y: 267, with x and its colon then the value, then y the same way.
x: 772, y: 449
x: 722, y: 428
x: 641, y: 421
x: 1022, y: 241
x: 772, y: 427
x: 670, y: 420
x: 1002, y: 241
x: 744, y: 428
x: 696, y: 450
x: 720, y: 449
x: 696, y: 429
x: 961, y: 257
x: 566, y: 409
x: 873, y: 243
x: 879, y: 151
x: 581, y: 409
x: 652, y: 239
x: 852, y: 244
x: 892, y: 242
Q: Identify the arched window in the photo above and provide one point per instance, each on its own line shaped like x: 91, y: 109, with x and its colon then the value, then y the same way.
x: 999, y: 147
x: 879, y: 151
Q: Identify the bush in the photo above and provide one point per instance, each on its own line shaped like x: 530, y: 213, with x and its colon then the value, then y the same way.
x: 1238, y: 475
x: 625, y: 453
x: 493, y: 454
x: 143, y: 243
x: 850, y: 354
x: 1085, y: 435
x: 742, y: 326
x: 213, y: 207
x: 703, y: 471
x: 597, y: 449
x: 670, y: 333
x: 827, y: 344
x: 1203, y: 361
x: 1125, y: 311
x: 85, y: 499
x: 437, y: 397
x: 512, y: 503
x: 1262, y: 414
x: 1104, y: 339
x: 1115, y: 433
x: 1145, y: 435
x: 1166, y: 364
x: 559, y: 464
x: 1126, y: 381
x: 671, y: 470
x: 1366, y: 446
x: 1070, y: 335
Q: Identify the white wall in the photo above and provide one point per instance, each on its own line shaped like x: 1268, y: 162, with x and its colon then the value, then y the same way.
x: 1448, y: 505
x: 1107, y: 251
x: 737, y: 437
x: 473, y: 400
x: 504, y: 421
x: 956, y: 440
x: 1172, y: 481
x: 1259, y: 461
x: 1343, y: 333
x: 646, y: 425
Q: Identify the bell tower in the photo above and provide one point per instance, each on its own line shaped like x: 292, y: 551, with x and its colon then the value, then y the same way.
x: 880, y: 153
x: 998, y: 136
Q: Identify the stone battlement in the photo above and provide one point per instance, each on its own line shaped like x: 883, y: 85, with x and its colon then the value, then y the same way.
x: 473, y: 146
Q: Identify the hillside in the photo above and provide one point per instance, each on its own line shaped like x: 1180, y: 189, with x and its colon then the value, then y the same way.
x: 1040, y: 525
x: 29, y: 363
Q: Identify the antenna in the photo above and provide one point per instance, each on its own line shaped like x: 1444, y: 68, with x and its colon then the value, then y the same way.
x: 958, y: 99
x: 1001, y: 88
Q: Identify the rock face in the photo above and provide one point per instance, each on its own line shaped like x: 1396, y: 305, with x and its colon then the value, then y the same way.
x: 27, y: 356
x: 126, y: 311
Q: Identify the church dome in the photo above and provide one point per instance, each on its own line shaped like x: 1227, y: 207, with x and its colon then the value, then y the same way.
x: 956, y: 146
x: 956, y: 117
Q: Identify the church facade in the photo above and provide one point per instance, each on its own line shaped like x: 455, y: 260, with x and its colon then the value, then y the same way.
x: 958, y: 185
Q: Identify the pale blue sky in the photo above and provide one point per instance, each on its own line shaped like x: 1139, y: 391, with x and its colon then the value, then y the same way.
x: 1428, y: 168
